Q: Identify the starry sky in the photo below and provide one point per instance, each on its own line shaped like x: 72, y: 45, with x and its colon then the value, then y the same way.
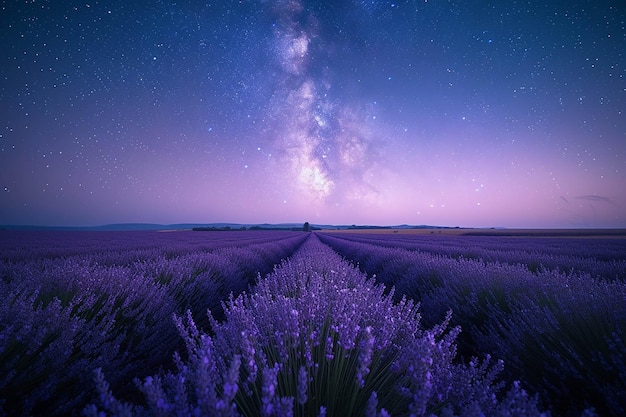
x: 473, y: 113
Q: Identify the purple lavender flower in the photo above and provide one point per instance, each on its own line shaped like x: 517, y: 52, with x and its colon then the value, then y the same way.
x: 269, y: 388
x: 372, y: 403
x: 365, y: 357
x: 303, y: 382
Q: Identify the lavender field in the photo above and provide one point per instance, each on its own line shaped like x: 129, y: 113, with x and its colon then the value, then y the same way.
x: 308, y: 324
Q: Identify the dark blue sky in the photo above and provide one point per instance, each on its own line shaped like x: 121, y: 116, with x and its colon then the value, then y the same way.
x: 471, y: 113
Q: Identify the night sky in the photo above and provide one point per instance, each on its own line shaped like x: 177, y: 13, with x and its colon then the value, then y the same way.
x: 442, y: 112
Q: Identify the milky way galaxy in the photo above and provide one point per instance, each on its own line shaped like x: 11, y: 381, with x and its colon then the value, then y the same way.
x: 324, y: 145
x: 436, y: 112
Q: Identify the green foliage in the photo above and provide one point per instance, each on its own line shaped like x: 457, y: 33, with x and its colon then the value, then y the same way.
x: 331, y: 382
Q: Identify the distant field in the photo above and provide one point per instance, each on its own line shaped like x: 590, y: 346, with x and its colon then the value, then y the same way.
x: 590, y: 233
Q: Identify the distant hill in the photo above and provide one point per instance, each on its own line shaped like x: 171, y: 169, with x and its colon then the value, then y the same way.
x: 106, y: 227
x: 154, y: 226
x: 208, y: 226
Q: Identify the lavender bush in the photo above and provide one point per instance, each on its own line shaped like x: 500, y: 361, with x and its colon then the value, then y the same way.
x: 316, y: 337
x: 602, y: 258
x: 563, y: 333
x: 105, y: 300
x: 51, y: 333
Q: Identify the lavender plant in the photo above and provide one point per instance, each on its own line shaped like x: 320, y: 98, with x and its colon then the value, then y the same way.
x: 563, y: 333
x: 316, y: 337
x: 602, y: 258
x: 46, y: 342
x: 105, y: 300
x: 571, y: 346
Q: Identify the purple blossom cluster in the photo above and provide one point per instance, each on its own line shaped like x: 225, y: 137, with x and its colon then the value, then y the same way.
x: 561, y: 330
x: 74, y: 302
x: 316, y: 337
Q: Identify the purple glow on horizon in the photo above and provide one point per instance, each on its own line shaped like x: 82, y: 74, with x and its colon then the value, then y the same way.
x: 368, y: 113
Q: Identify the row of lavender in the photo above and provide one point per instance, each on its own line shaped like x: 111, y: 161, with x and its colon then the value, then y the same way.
x: 119, y: 248
x: 563, y: 333
x: 599, y: 257
x: 317, y: 338
x: 75, y: 302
